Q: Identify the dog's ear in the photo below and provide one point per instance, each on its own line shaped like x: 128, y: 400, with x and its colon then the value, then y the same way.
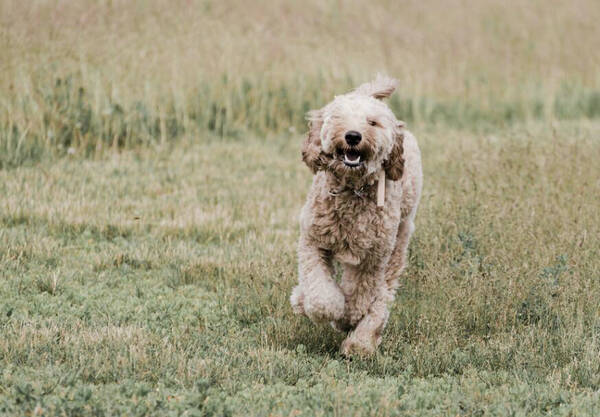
x: 394, y: 164
x: 312, y: 151
x: 380, y: 88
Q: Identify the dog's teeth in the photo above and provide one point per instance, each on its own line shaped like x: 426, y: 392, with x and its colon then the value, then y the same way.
x: 352, y: 161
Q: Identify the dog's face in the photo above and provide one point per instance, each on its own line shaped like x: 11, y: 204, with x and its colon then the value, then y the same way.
x: 359, y: 132
x: 356, y: 134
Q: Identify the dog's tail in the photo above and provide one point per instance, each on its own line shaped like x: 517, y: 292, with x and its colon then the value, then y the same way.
x: 381, y: 87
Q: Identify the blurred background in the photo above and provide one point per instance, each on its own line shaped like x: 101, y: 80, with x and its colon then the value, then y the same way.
x: 82, y: 76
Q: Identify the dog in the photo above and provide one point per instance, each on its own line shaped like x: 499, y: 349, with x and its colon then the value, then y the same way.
x: 359, y: 153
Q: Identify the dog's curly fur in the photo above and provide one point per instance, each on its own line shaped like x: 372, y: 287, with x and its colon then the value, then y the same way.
x: 341, y: 221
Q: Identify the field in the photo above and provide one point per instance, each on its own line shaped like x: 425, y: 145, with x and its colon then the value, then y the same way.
x: 150, y: 186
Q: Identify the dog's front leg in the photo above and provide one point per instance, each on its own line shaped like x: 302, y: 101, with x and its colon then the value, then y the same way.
x: 366, y: 309
x: 317, y: 295
x: 366, y: 337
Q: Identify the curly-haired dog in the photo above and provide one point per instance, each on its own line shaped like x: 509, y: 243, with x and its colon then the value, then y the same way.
x: 350, y: 142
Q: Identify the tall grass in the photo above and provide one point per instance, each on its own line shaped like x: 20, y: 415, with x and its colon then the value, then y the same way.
x: 89, y: 75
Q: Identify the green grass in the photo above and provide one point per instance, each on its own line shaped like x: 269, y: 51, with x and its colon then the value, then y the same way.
x: 155, y: 281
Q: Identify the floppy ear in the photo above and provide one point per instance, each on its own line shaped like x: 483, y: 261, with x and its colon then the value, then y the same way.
x: 380, y: 88
x: 394, y: 165
x: 312, y: 152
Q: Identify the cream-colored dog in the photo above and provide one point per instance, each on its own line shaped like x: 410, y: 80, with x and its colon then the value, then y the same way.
x: 353, y: 143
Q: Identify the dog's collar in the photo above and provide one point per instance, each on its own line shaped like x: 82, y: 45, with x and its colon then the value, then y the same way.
x: 360, y: 192
x: 363, y: 191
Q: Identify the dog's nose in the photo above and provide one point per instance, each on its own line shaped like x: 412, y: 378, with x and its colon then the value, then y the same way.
x: 353, y: 137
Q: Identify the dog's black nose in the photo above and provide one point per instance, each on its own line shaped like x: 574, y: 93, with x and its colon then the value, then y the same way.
x: 353, y: 137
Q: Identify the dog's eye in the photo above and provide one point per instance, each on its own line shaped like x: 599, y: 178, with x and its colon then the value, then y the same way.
x: 372, y: 122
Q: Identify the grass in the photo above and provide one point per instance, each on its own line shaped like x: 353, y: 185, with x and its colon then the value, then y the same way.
x: 96, y: 75
x: 150, y: 185
x: 156, y: 281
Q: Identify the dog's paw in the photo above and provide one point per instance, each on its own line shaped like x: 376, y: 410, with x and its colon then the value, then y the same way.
x: 358, y: 346
x: 325, y: 304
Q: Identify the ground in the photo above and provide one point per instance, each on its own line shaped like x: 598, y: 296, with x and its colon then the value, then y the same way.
x: 155, y: 281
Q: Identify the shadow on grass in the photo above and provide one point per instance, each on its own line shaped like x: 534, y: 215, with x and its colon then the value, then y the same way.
x: 299, y: 334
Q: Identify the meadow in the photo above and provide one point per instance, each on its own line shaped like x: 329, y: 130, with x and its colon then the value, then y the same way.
x: 150, y: 186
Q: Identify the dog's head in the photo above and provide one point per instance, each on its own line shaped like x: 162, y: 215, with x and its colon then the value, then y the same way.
x: 356, y: 134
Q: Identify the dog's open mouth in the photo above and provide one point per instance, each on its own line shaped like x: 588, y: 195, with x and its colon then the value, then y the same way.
x: 351, y: 157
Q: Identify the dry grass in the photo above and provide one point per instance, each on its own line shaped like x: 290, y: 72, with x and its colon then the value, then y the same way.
x: 93, y: 75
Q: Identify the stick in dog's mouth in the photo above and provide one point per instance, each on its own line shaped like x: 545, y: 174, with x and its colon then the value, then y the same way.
x: 381, y: 188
